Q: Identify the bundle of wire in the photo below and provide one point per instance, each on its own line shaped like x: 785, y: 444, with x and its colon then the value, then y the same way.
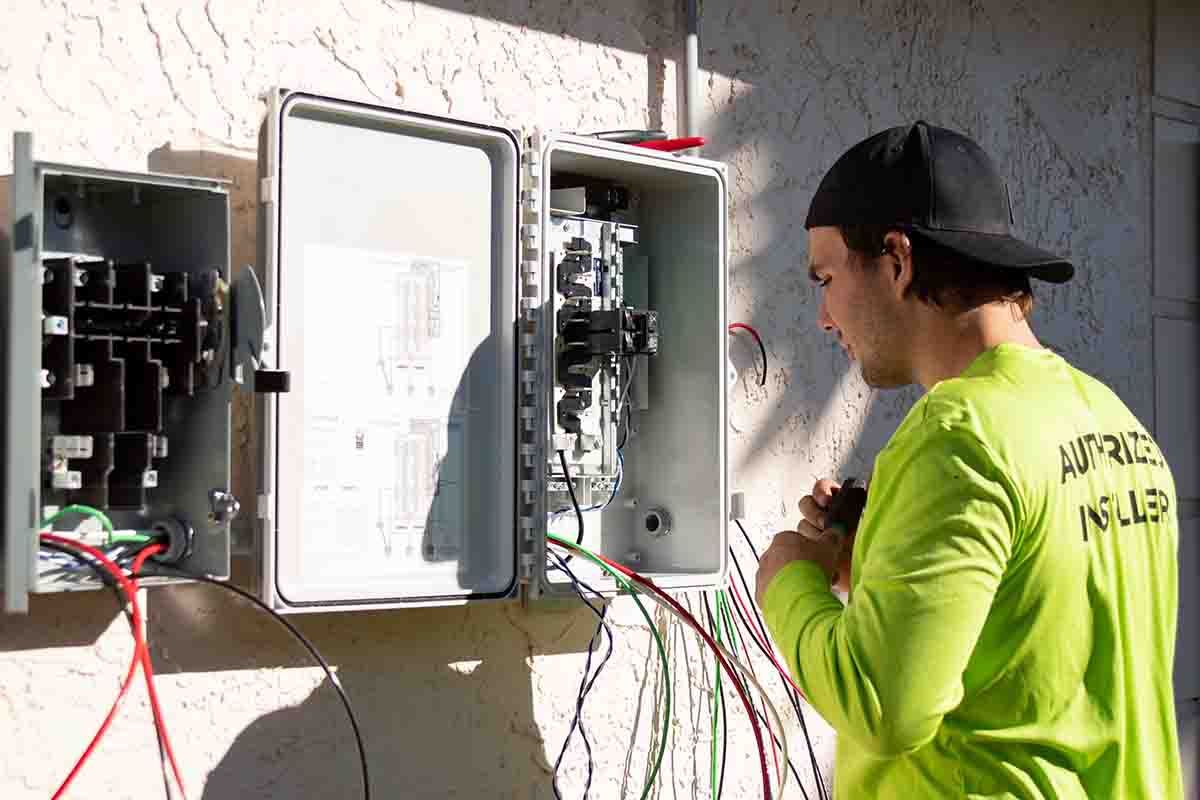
x: 141, y: 655
x: 586, y: 682
x: 633, y: 582
x: 757, y: 633
x: 119, y: 564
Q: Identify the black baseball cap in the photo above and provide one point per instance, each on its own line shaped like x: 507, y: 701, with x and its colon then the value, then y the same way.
x: 941, y: 186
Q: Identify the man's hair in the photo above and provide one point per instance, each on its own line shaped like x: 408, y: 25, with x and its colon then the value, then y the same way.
x: 942, y: 277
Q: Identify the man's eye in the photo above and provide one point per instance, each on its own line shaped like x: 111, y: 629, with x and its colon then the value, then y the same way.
x: 823, y: 282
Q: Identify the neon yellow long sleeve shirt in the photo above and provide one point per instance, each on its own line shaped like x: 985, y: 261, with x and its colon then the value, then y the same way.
x: 1010, y: 628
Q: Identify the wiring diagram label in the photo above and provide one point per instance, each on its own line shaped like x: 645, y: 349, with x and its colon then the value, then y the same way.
x: 384, y: 406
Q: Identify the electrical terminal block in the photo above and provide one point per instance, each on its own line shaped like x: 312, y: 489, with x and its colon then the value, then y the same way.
x: 63, y: 447
x: 66, y: 479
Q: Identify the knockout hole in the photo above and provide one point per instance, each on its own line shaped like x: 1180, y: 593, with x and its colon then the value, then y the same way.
x: 63, y: 215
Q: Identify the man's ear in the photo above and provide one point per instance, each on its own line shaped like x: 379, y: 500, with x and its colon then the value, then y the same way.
x: 897, y: 256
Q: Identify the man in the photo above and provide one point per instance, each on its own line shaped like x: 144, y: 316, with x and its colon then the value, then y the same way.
x: 1010, y: 628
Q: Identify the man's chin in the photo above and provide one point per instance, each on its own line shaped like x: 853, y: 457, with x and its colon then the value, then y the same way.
x: 877, y: 381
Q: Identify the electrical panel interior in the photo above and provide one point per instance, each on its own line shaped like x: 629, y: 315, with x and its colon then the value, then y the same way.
x: 600, y: 341
x: 634, y: 464
x: 463, y: 338
x: 118, y: 353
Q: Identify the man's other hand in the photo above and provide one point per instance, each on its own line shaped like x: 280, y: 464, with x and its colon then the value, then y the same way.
x: 809, y: 542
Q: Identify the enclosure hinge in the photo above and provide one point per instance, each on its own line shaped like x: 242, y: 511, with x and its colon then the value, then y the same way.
x: 531, y: 515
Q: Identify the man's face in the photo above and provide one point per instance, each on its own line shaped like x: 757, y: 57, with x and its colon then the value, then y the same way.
x: 859, y: 304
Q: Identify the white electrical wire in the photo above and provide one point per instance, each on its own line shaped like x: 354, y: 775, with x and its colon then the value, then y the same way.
x: 625, y: 391
x: 782, y: 765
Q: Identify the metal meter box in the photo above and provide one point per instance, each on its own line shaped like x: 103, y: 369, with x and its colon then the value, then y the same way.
x: 464, y: 335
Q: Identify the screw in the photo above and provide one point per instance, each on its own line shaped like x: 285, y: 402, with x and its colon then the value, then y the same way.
x: 224, y: 506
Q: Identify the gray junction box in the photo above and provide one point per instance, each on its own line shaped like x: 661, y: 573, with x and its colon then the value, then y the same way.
x: 451, y: 313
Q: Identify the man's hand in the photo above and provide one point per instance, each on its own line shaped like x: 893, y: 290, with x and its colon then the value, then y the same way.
x: 809, y: 542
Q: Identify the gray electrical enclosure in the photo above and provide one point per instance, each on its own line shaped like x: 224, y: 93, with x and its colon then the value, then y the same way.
x: 112, y: 392
x: 452, y: 314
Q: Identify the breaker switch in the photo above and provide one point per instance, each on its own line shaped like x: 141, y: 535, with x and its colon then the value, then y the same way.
x: 623, y: 332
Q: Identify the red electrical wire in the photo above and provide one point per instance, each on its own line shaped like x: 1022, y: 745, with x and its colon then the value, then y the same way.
x: 130, y: 590
x: 741, y: 326
x: 766, y: 646
x: 141, y: 655
x: 649, y: 584
x: 148, y: 671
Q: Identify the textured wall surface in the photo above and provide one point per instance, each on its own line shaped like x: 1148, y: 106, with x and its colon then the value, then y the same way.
x: 475, y: 702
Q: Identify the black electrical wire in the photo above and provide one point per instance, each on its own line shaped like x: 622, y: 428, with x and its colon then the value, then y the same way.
x: 724, y: 719
x: 585, y: 684
x: 762, y: 380
x: 625, y: 430
x: 562, y: 457
x: 161, y: 570
x: 111, y: 582
x: 767, y: 638
x: 749, y: 541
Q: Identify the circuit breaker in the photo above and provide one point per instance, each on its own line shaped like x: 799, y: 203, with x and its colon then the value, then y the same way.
x: 465, y: 337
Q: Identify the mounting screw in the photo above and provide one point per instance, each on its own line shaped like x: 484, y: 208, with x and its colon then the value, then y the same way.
x: 224, y: 506
x: 633, y: 557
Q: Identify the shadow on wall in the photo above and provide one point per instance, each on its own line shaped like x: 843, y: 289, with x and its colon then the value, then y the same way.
x: 659, y: 35
x: 443, y: 696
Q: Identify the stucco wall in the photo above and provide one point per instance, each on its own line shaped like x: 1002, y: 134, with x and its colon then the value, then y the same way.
x: 475, y: 702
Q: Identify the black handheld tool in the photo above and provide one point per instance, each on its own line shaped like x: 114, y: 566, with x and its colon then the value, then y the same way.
x: 846, y: 508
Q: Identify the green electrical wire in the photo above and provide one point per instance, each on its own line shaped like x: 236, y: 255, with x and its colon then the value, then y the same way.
x: 718, y: 697
x: 135, y: 538
x: 662, y: 650
x: 87, y: 511
x: 723, y: 603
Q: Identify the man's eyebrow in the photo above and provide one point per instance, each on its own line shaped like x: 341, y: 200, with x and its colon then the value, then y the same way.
x: 812, y: 272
